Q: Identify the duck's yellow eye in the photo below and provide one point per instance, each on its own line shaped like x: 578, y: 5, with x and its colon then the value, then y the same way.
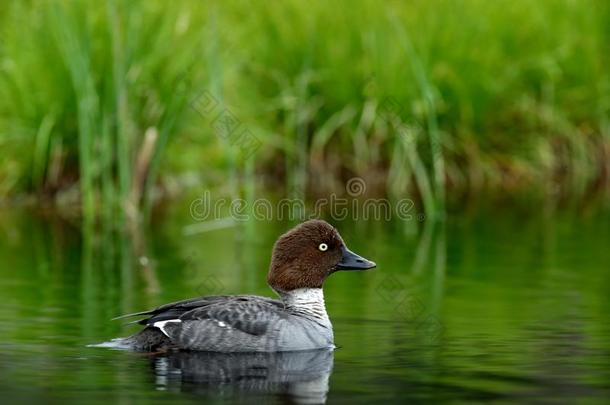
x: 323, y: 247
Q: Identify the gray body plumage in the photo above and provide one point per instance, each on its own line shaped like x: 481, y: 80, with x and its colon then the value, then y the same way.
x: 243, y: 323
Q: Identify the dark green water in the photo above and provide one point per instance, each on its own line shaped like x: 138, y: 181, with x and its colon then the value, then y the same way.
x: 491, y: 306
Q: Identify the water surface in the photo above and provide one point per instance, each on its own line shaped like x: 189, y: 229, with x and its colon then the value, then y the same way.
x: 495, y: 305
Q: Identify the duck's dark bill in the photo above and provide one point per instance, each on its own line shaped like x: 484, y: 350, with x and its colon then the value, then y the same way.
x: 351, y: 261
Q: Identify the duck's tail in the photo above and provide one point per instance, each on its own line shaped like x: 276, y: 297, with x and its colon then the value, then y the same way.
x: 147, y: 340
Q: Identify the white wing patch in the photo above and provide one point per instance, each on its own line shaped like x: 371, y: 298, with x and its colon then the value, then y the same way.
x: 161, y: 325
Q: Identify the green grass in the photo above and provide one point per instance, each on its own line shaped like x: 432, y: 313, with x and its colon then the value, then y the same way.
x: 82, y: 86
x: 500, y: 96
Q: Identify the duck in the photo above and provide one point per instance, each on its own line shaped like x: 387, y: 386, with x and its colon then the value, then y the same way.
x: 301, y: 261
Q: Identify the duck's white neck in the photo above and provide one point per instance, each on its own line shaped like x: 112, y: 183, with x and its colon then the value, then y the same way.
x: 306, y: 301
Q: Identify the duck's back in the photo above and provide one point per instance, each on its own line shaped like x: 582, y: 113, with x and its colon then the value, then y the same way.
x: 243, y: 323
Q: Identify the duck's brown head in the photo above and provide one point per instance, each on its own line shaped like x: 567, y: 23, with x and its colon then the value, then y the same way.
x: 307, y: 254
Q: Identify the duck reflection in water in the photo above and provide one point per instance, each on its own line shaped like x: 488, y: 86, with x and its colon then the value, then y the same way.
x: 301, y: 377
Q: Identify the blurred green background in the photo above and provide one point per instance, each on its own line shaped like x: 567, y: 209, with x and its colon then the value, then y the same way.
x: 116, y: 115
x: 108, y: 106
